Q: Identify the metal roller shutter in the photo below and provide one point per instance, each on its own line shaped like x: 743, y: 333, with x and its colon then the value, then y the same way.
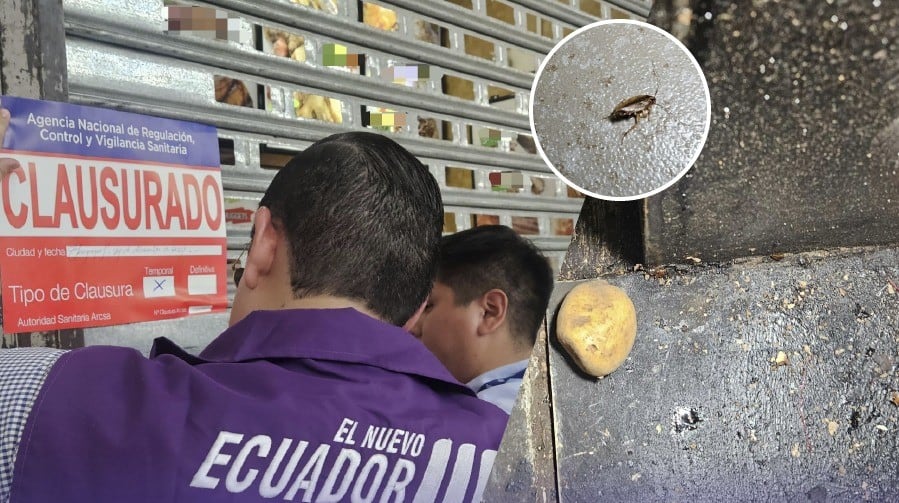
x: 453, y: 77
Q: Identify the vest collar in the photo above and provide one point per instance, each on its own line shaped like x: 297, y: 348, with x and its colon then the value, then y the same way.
x: 343, y: 335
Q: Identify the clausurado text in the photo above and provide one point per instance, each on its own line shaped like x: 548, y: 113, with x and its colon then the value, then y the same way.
x: 54, y: 197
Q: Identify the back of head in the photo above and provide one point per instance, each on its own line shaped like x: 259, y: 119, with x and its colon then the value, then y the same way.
x: 362, y: 218
x: 477, y: 260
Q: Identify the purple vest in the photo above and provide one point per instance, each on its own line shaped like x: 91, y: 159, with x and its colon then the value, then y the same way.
x: 298, y: 405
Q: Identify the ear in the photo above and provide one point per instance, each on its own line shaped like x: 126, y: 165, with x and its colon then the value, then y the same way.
x: 261, y: 256
x: 409, y: 326
x: 495, y: 306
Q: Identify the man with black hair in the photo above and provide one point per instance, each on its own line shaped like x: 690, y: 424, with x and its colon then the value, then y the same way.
x: 316, y: 392
x: 485, y: 309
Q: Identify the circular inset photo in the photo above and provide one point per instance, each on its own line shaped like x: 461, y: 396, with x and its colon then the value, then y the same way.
x: 620, y: 110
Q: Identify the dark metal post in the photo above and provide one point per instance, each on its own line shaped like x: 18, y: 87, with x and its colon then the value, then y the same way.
x: 33, y: 65
x: 32, y: 49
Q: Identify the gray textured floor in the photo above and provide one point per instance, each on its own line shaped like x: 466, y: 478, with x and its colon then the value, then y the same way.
x: 584, y: 81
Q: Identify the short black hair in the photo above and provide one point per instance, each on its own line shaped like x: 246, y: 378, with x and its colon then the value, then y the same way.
x: 362, y: 218
x: 477, y: 260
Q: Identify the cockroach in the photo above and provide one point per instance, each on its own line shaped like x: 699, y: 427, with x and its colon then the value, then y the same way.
x: 639, y: 107
x: 658, y: 272
x: 636, y: 107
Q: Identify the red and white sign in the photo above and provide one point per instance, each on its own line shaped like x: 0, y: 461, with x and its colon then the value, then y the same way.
x: 100, y: 232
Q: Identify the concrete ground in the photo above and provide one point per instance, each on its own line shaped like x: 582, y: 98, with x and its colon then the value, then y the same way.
x: 701, y: 412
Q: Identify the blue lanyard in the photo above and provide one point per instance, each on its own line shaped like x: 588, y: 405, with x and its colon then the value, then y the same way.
x: 501, y: 380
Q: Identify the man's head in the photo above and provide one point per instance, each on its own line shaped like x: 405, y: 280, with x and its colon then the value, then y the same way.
x: 354, y: 216
x: 491, y: 294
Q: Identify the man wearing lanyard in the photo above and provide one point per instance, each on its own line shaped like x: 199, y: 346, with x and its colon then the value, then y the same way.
x: 482, y: 316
